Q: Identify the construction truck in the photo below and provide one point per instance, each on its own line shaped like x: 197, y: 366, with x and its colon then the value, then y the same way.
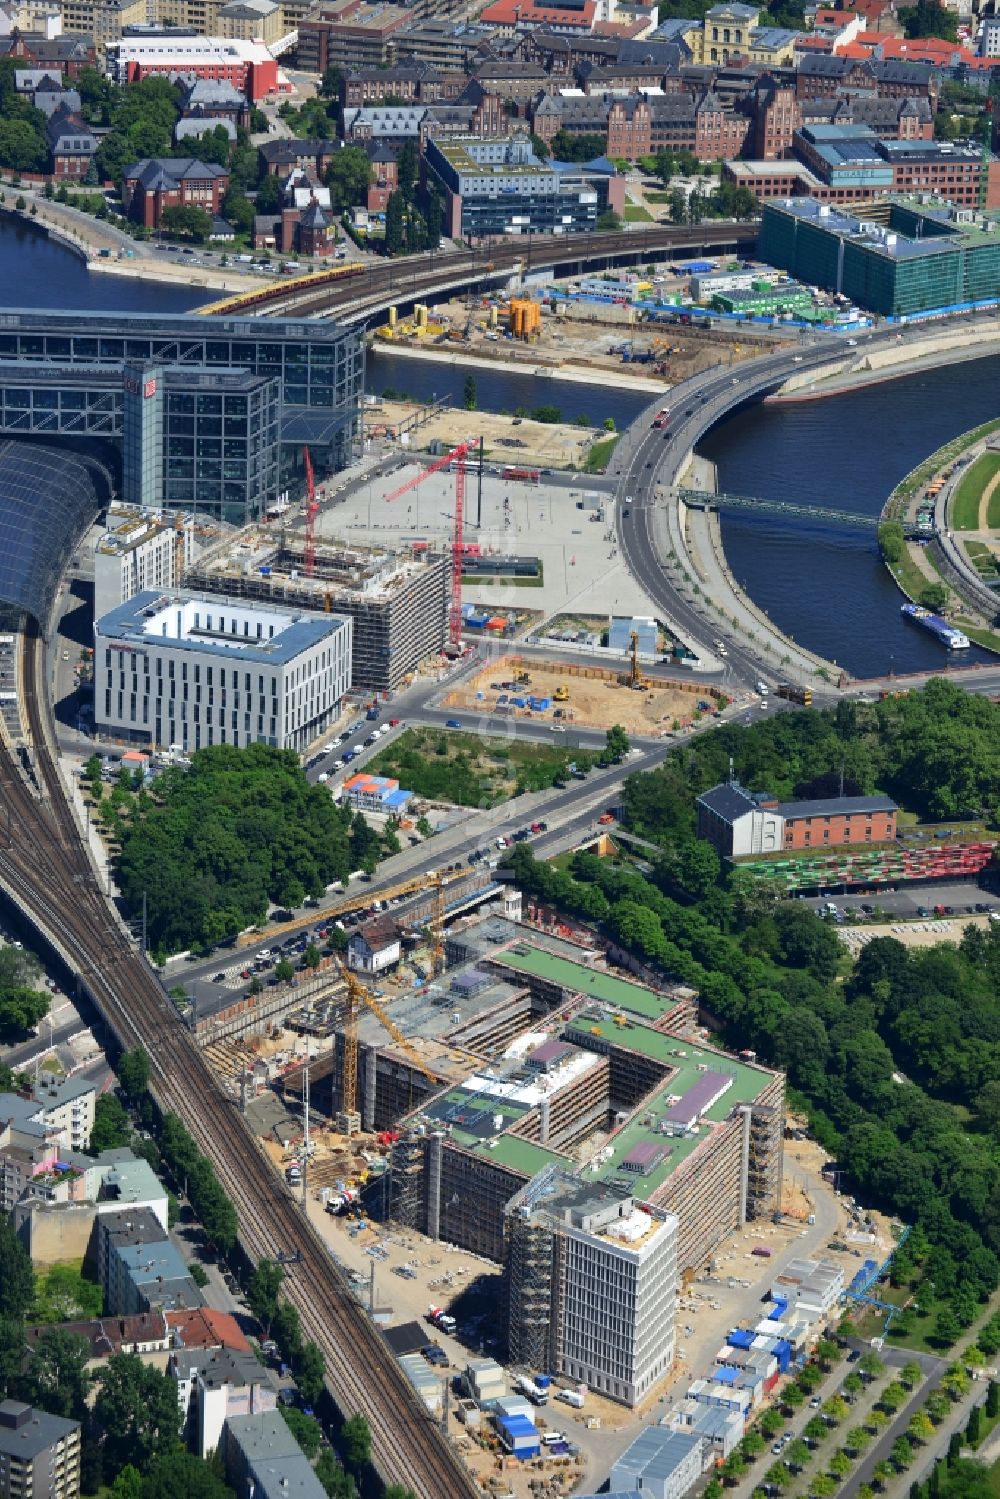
x: 795, y: 694
x: 561, y: 694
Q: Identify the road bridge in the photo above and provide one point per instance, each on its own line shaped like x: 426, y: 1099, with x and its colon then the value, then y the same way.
x: 751, y: 504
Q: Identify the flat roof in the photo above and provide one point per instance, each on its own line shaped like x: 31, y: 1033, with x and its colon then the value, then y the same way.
x: 746, y: 1085
x: 520, y: 1155
x: 594, y: 983
x: 299, y: 630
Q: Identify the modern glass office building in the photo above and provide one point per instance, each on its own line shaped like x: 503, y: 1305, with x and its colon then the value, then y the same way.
x: 904, y: 257
x: 209, y: 413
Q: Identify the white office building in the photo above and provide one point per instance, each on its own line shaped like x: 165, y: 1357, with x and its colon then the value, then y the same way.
x: 140, y: 550
x: 592, y: 1285
x: 189, y: 670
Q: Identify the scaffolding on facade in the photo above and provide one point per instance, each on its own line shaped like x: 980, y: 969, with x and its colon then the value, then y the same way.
x: 764, y: 1165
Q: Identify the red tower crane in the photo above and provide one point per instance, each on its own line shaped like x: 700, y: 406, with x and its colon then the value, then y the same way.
x: 312, y: 510
x: 457, y: 456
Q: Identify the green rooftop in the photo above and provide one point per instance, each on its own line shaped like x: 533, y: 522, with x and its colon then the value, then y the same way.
x: 520, y: 1155
x: 600, y: 986
x: 747, y: 1085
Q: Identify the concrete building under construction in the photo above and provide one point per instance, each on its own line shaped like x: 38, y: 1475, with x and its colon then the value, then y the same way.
x: 603, y: 1083
x: 398, y: 598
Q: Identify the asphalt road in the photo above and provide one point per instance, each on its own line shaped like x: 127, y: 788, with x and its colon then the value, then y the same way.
x: 646, y: 458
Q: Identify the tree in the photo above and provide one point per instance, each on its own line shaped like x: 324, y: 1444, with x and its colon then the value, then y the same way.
x: 112, y: 1127
x: 23, y: 146
x: 330, y: 83
x: 853, y: 1385
x: 63, y: 1294
x: 883, y: 1473
x: 608, y: 222
x: 305, y: 1429
x: 187, y: 219
x: 177, y: 1472
x: 469, y: 394
x: 892, y: 542
x: 539, y: 147
x: 902, y: 1453
x: 356, y: 1442
x: 310, y: 1373
x: 871, y: 1366
x: 929, y: 18
x: 910, y: 1374
x: 993, y: 1400
x: 17, y: 1280
x: 133, y: 1073
x: 407, y: 169
x: 974, y: 1429
x: 677, y: 207
x: 312, y: 957
x: 840, y: 1464
x: 238, y: 211
x: 286, y: 1330
x: 262, y: 1292
x: 21, y: 1009
x: 284, y: 972
x: 617, y: 742
x: 920, y: 1428
x: 857, y: 1439
x: 946, y: 1328
x: 349, y: 177
x: 268, y: 197
x: 934, y: 596
x: 56, y: 1378
x: 136, y: 1413
x: 395, y: 223
x: 128, y: 1484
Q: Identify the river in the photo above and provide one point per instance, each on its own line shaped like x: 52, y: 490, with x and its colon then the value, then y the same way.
x: 824, y: 585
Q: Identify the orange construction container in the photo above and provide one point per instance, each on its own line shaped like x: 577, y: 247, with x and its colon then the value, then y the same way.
x: 525, y: 317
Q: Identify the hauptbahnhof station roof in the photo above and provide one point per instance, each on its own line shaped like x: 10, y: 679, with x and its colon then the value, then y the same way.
x: 48, y: 498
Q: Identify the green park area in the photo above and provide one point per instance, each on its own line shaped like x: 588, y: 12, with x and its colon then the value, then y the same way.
x: 470, y: 770
x: 966, y: 501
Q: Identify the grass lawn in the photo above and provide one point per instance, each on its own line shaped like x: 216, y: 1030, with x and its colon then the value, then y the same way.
x: 965, y: 501
x: 911, y: 578
x: 980, y: 555
x: 634, y: 213
x: 657, y: 197
x: 985, y: 638
x: 600, y: 454
x: 472, y: 771
x: 872, y: 1324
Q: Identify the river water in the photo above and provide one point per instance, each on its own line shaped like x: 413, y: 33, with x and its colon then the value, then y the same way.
x: 823, y: 584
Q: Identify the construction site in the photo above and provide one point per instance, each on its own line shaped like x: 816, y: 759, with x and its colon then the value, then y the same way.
x: 587, y: 696
x: 583, y: 326
x: 397, y: 595
x: 429, y: 1092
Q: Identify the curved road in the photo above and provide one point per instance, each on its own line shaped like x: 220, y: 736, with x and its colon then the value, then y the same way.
x: 647, y: 460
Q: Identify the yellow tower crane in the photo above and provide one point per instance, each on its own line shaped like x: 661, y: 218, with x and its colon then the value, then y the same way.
x: 359, y: 996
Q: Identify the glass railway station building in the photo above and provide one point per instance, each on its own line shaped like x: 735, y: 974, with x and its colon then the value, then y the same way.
x: 208, y: 414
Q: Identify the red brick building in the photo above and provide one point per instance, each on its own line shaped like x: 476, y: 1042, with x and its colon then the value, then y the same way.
x: 150, y: 186
x: 739, y: 822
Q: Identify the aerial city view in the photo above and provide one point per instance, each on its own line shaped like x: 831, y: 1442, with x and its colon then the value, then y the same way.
x: 499, y: 749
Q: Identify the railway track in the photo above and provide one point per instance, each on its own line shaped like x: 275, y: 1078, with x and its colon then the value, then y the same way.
x: 420, y: 275
x: 47, y: 870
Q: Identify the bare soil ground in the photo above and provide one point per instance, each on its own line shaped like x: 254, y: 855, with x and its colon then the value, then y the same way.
x: 599, y: 701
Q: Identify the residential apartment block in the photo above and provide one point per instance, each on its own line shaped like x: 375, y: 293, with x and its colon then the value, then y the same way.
x: 39, y: 1454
